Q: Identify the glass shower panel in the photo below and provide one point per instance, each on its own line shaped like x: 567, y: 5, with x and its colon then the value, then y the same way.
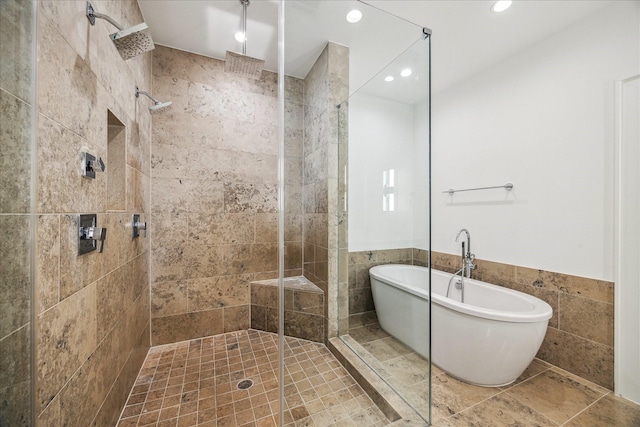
x: 17, y: 94
x: 324, y: 65
x: 384, y: 191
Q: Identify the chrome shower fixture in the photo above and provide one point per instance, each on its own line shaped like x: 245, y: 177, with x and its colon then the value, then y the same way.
x: 241, y: 63
x: 158, y: 106
x: 131, y: 42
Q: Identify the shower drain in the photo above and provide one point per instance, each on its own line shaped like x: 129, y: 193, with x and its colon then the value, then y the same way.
x: 245, y: 384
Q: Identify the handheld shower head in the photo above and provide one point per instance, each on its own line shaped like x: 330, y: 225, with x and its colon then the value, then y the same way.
x: 158, y: 106
x: 131, y: 42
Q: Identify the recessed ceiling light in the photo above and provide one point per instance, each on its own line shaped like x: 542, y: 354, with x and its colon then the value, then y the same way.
x: 239, y: 36
x: 388, y: 79
x: 501, y: 6
x: 406, y: 72
x: 354, y: 16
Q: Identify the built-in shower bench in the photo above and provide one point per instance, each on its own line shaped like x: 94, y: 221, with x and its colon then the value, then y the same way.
x: 303, y: 307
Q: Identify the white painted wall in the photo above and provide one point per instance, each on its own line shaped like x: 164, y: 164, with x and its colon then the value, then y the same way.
x: 543, y: 119
x: 380, y: 138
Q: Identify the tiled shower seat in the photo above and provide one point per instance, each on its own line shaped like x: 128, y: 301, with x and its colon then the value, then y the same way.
x: 303, y: 308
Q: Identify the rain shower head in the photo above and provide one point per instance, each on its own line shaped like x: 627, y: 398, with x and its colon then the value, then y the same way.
x: 131, y: 42
x: 241, y: 63
x: 158, y: 106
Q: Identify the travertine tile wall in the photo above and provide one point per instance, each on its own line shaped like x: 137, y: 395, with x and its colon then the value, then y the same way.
x: 214, y: 194
x: 92, y: 310
x: 580, y: 334
x: 17, y: 66
x: 303, y: 308
x: 325, y: 86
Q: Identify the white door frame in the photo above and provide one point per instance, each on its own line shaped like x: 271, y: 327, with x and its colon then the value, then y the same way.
x: 627, y: 292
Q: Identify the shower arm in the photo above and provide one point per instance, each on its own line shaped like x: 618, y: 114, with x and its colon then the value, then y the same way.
x: 92, y: 15
x: 141, y: 92
x: 245, y: 3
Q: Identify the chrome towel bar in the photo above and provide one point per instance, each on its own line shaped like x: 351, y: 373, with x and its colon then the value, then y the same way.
x: 508, y: 186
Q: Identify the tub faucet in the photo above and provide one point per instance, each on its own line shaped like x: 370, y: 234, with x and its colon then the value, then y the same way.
x: 467, y: 257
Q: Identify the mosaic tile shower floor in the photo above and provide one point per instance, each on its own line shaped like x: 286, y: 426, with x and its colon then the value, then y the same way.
x: 194, y: 383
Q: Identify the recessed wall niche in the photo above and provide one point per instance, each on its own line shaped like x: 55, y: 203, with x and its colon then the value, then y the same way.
x: 116, y: 161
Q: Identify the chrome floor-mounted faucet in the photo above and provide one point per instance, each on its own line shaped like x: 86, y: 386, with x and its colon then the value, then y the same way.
x: 467, y: 257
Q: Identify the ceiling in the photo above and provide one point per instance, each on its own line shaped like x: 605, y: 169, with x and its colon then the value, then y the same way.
x: 467, y: 36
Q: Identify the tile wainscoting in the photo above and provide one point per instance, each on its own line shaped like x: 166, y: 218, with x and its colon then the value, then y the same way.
x: 580, y: 334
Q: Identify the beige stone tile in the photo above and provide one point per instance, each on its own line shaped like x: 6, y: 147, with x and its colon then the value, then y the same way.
x: 224, y: 228
x: 451, y: 396
x: 110, y: 294
x: 586, y: 318
x: 187, y: 130
x: 387, y: 348
x: 168, y: 298
x: 205, y: 196
x: 169, y: 161
x: 239, y: 135
x: 139, y: 149
x: 17, y: 75
x: 187, y: 66
x: 67, y: 88
x: 66, y: 338
x: 588, y: 288
x: 237, y: 318
x: 138, y: 193
x: 250, y: 258
x: 579, y: 356
x: 62, y: 188
x: 360, y: 300
x: 15, y: 173
x: 367, y: 333
x: 501, y: 410
x: 555, y: 396
x: 15, y: 375
x: 608, y: 411
x: 218, y: 292
x: 186, y: 326
x: 14, y: 272
x: 47, y: 261
x: 242, y: 197
x: 304, y: 325
x: 170, y: 195
x: 203, y: 261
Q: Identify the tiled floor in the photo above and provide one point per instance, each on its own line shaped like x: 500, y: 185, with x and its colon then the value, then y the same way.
x: 194, y: 383
x: 543, y: 396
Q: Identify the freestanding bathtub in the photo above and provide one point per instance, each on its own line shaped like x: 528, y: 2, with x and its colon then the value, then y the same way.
x: 488, y: 340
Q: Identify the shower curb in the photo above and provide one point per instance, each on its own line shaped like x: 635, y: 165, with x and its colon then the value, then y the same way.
x: 397, y: 411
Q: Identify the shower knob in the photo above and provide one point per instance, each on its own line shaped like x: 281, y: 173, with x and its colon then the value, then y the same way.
x: 138, y: 225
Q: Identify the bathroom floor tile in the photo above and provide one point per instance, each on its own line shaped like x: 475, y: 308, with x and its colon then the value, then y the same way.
x: 608, y: 411
x: 500, y: 410
x: 200, y: 383
x: 555, y: 395
x: 543, y: 395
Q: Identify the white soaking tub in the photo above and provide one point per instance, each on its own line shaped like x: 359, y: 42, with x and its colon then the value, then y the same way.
x: 488, y: 340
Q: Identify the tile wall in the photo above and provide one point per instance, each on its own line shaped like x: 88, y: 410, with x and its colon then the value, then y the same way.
x: 325, y: 86
x: 92, y: 310
x: 580, y: 334
x: 17, y: 66
x: 214, y: 194
x: 303, y: 308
